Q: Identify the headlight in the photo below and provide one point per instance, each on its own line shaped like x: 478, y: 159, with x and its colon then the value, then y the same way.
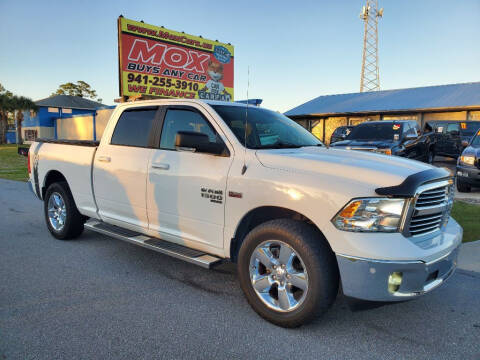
x: 370, y: 214
x: 384, y: 151
x: 467, y: 159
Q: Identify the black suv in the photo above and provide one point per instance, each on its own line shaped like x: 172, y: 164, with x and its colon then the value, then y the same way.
x: 468, y: 166
x: 391, y: 137
x: 452, y: 136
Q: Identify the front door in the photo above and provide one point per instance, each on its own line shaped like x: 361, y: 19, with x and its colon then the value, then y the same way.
x: 410, y: 144
x: 185, y: 189
x: 453, y: 140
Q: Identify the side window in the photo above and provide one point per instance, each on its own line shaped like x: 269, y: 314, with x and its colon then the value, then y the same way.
x: 406, y: 128
x: 134, y: 127
x: 416, y: 128
x: 184, y: 120
x: 413, y: 129
x: 453, y: 127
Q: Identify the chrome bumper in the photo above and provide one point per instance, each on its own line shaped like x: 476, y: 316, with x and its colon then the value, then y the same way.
x: 367, y: 279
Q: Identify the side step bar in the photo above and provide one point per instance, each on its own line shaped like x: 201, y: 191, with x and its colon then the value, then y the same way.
x: 165, y: 247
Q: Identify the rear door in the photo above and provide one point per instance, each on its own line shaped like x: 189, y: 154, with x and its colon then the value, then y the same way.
x: 121, y: 166
x: 186, y: 190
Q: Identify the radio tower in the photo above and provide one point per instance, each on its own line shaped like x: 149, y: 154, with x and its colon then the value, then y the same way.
x: 370, y: 78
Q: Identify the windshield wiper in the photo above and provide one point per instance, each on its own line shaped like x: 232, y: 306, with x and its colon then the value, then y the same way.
x: 279, y: 145
x: 321, y: 145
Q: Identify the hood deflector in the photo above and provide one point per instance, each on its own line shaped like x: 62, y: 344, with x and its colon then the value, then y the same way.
x: 409, y: 186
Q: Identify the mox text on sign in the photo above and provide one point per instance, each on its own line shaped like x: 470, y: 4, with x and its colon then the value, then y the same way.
x: 155, y: 61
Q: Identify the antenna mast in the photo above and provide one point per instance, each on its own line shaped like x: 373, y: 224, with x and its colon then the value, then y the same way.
x: 370, y: 77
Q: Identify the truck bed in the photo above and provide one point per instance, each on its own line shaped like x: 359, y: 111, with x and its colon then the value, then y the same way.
x: 73, y: 159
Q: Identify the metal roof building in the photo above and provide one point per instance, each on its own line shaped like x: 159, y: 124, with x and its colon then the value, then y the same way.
x: 324, y: 114
x: 55, y: 117
x: 68, y: 101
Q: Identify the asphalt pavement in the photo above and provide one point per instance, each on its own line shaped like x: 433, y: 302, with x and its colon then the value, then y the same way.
x: 100, y: 298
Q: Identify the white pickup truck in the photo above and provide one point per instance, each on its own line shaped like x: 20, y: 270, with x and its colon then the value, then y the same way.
x: 210, y: 181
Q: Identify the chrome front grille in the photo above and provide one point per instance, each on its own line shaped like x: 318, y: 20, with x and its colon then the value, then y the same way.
x: 432, y: 197
x: 431, y: 207
x: 421, y: 224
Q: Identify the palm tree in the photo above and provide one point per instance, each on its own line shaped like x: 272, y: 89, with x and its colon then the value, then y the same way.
x: 22, y: 103
x: 10, y: 103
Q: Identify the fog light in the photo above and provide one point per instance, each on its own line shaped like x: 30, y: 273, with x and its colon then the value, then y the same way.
x: 394, y: 281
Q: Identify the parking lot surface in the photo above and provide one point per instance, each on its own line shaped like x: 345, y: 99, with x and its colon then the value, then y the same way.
x: 99, y: 298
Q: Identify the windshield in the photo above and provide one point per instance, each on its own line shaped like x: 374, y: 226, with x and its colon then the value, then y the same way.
x: 342, y: 130
x: 266, y: 129
x: 387, y: 131
x: 476, y: 140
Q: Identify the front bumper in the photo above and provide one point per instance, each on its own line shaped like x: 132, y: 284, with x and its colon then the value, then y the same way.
x: 469, y: 174
x: 368, y: 279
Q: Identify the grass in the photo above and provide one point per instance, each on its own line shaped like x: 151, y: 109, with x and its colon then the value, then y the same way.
x: 468, y: 216
x: 12, y: 165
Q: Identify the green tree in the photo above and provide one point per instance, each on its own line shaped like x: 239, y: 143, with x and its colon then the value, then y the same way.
x: 81, y: 89
x: 10, y: 103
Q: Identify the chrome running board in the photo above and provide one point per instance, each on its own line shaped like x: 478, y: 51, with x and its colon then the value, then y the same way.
x: 184, y: 253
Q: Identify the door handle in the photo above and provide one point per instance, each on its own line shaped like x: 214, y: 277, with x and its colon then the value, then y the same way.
x: 161, y: 166
x: 104, y: 158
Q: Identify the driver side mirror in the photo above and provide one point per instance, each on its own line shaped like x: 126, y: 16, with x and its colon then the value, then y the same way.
x: 197, y: 142
x: 464, y: 143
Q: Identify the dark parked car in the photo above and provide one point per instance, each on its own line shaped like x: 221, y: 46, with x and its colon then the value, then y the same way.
x: 340, y: 133
x: 399, y: 137
x: 452, y: 136
x: 468, y: 166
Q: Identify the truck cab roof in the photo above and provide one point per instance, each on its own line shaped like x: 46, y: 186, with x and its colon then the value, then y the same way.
x: 173, y: 101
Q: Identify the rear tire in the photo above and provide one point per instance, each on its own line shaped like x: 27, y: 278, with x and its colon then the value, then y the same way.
x: 294, y: 292
x: 462, y: 186
x: 61, y: 214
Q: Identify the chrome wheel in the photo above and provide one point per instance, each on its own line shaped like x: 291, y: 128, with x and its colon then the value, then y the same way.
x: 278, y: 276
x: 57, y: 211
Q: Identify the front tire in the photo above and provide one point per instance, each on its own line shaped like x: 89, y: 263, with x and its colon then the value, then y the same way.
x: 61, y: 214
x: 462, y: 186
x: 288, y: 272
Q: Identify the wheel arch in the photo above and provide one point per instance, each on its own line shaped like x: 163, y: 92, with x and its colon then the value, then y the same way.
x: 51, y: 177
x: 260, y: 215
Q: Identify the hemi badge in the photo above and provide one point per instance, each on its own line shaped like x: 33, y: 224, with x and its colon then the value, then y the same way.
x: 235, y: 194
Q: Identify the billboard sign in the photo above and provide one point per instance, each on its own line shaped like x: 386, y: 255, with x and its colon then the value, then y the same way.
x: 154, y: 61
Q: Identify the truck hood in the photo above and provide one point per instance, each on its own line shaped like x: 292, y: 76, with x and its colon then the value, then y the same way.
x: 381, y: 144
x: 374, y: 169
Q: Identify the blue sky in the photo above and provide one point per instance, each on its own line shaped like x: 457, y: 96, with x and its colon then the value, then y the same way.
x: 296, y: 50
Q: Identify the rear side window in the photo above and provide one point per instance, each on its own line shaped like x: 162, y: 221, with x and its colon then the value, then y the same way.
x: 134, y: 127
x: 183, y: 120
